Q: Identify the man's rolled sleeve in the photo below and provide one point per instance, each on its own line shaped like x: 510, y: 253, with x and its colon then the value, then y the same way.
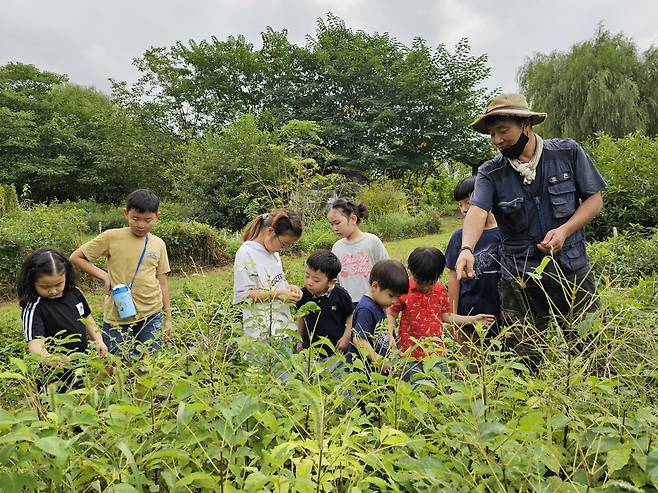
x: 588, y: 179
x: 483, y: 193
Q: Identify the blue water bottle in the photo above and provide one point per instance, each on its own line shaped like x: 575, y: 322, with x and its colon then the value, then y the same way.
x: 123, y: 301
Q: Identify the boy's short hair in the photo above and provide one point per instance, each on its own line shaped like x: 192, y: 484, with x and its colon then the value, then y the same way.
x: 390, y: 274
x: 326, y: 262
x: 464, y: 188
x: 143, y: 200
x: 426, y: 264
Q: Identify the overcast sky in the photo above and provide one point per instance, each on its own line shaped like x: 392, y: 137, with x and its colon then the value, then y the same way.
x: 92, y: 41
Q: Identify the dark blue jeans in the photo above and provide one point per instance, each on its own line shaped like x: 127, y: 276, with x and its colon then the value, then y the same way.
x: 126, y: 339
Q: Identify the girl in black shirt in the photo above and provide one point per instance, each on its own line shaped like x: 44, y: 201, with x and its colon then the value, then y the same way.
x: 54, y: 307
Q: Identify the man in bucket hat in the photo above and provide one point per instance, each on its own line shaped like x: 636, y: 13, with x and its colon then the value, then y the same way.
x: 542, y: 193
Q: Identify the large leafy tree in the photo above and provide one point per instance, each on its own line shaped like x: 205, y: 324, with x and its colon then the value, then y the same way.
x: 382, y: 107
x: 68, y: 142
x: 603, y: 84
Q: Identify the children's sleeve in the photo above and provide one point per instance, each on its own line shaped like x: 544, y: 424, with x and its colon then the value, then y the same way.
x: 445, y: 302
x: 98, y: 247
x: 363, y: 324
x: 33, y: 325
x: 380, y: 250
x: 452, y: 250
x: 398, y: 306
x: 245, y: 277
x: 348, y: 304
x: 163, y: 263
x: 83, y: 300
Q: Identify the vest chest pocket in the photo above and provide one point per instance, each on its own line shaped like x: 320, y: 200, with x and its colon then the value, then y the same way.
x: 563, y: 195
x: 513, y: 216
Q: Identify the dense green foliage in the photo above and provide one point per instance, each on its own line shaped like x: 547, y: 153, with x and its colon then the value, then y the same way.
x: 381, y: 106
x: 229, y: 177
x: 24, y: 231
x: 600, y: 85
x: 629, y: 166
x: 200, y: 417
x: 70, y: 142
x: 190, y: 244
x: 627, y: 258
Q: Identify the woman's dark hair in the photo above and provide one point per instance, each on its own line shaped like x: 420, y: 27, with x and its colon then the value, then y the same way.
x: 326, y: 262
x: 390, y: 274
x: 283, y: 221
x: 347, y: 208
x: 464, y: 188
x: 426, y: 264
x: 143, y: 200
x: 42, y: 262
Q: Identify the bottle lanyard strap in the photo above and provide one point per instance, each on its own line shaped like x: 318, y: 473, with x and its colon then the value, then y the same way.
x: 141, y: 258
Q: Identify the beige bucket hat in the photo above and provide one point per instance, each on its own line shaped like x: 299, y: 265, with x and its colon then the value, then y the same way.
x: 508, y: 105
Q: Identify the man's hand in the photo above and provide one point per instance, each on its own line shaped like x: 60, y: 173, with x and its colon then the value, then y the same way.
x: 465, y: 267
x: 553, y: 241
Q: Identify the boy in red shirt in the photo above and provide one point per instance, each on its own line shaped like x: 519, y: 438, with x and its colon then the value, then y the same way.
x: 424, y: 309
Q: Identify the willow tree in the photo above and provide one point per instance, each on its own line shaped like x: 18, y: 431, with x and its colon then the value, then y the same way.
x: 603, y: 84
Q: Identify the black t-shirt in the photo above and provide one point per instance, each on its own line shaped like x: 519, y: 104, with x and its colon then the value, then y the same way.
x: 58, y: 317
x: 335, y: 306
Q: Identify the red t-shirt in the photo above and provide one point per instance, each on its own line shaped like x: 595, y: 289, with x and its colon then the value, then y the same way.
x: 421, y: 317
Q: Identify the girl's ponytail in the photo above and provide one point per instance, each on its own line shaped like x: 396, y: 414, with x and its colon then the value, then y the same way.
x: 283, y: 221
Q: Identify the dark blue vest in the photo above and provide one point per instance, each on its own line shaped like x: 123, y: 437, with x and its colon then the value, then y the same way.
x: 525, y: 213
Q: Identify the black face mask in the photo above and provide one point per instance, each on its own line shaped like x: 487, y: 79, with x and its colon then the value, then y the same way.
x: 515, y: 150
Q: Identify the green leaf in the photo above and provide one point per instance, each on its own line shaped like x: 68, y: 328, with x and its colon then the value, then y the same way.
x: 550, y: 456
x: 9, y: 375
x: 123, y: 488
x: 618, y: 457
x: 131, y: 462
x: 200, y: 480
x: 19, y: 363
x: 652, y: 466
x: 255, y: 481
x: 53, y: 445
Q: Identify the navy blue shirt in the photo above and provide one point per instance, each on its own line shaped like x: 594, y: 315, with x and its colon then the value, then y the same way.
x: 365, y: 319
x: 525, y: 213
x: 479, y: 295
x: 335, y: 307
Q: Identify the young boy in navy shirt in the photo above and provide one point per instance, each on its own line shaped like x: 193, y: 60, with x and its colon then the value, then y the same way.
x: 388, y: 280
x: 334, y: 319
x: 478, y: 295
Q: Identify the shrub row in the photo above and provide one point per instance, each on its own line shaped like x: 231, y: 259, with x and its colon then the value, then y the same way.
x: 190, y: 244
x: 627, y: 258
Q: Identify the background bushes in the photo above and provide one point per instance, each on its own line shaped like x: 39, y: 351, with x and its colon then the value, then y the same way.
x: 627, y: 258
x: 192, y: 243
x: 629, y: 167
x: 26, y: 230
